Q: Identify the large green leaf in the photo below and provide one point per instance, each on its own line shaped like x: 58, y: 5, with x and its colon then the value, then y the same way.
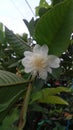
x: 10, y: 85
x: 16, y: 42
x: 12, y: 88
x: 55, y: 27
x: 5, y: 108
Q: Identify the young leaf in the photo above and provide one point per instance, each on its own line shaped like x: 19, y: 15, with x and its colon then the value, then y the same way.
x: 53, y: 91
x: 52, y: 100
x: 48, y: 92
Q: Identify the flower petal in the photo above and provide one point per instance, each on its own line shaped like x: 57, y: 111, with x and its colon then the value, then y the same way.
x: 38, y: 61
x: 49, y: 70
x: 26, y: 62
x: 43, y: 74
x: 28, y: 53
x: 44, y: 49
x: 41, y: 50
x: 36, y: 48
x: 53, y: 61
x: 28, y: 69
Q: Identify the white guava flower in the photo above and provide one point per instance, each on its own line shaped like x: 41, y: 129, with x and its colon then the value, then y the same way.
x: 38, y: 62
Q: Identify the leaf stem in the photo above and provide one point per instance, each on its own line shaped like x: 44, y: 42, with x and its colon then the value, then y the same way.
x: 22, y: 119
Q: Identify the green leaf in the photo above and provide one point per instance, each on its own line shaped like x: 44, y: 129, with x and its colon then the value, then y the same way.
x: 54, y: 2
x: 43, y: 4
x: 16, y: 42
x: 38, y: 84
x: 52, y: 100
x: 38, y: 108
x: 55, y: 27
x: 1, y: 33
x: 53, y: 91
x: 43, y: 10
x: 10, y: 85
x: 56, y: 73
x: 11, y: 89
x: 59, y: 126
x: 35, y: 97
x: 9, y: 120
x: 5, y: 108
x: 31, y: 26
x: 47, y: 92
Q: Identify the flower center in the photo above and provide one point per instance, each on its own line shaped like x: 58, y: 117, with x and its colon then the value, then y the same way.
x: 38, y: 62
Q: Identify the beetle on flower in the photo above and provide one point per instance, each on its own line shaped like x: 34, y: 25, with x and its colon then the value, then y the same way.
x: 38, y: 62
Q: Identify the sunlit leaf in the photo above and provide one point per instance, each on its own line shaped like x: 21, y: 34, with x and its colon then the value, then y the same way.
x: 48, y: 92
x: 53, y: 91
x: 52, y: 100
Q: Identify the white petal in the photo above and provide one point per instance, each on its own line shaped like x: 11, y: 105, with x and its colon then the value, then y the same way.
x: 41, y: 49
x: 49, y: 70
x: 43, y: 74
x: 26, y: 62
x: 53, y: 61
x: 28, y: 69
x: 44, y: 49
x: 36, y: 48
x: 28, y: 53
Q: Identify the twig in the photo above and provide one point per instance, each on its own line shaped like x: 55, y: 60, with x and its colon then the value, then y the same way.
x: 23, y: 113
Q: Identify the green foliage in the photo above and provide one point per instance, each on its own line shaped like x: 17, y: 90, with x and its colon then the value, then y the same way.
x: 1, y: 34
x: 31, y: 26
x: 42, y: 5
x: 36, y: 107
x: 9, y: 83
x: 60, y: 127
x: 52, y: 100
x: 16, y: 42
x: 8, y: 123
x: 55, y: 27
x: 54, y: 2
x: 11, y: 89
x: 8, y: 106
x: 47, y: 95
